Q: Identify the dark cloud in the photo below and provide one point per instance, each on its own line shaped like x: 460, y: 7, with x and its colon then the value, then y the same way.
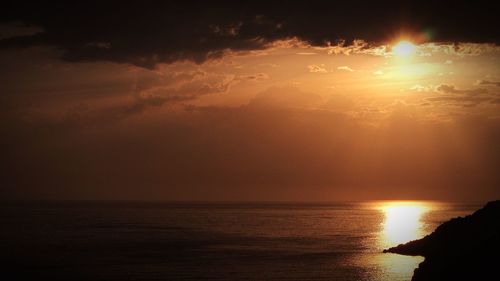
x: 466, y: 101
x: 254, y: 77
x: 15, y: 29
x: 460, y: 97
x: 285, y: 97
x: 489, y: 83
x: 142, y: 103
x: 450, y: 89
x: 147, y: 33
x: 495, y: 101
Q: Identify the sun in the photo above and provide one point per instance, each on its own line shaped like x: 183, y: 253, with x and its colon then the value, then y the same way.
x: 404, y: 49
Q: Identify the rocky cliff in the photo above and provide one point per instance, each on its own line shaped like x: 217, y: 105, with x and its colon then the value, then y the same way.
x: 461, y: 249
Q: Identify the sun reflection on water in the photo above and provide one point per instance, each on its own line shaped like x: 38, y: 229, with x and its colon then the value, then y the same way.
x: 402, y: 221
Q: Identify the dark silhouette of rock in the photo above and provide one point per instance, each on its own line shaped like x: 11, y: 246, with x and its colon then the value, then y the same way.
x: 460, y: 249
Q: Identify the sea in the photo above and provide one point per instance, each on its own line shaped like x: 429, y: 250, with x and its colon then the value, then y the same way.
x: 118, y: 240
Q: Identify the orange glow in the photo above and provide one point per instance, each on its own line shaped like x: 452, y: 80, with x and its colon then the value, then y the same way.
x: 362, y: 123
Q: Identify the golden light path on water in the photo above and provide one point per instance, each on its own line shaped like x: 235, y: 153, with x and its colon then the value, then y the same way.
x: 402, y: 222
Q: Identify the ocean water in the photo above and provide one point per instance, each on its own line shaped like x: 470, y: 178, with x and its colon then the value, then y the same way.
x: 166, y: 241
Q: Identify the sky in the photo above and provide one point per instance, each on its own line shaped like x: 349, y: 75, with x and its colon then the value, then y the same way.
x: 250, y: 101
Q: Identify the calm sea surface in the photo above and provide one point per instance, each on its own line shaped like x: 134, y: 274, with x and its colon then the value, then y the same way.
x: 161, y: 241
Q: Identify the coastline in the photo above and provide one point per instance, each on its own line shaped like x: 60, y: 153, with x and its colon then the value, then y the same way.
x: 463, y: 248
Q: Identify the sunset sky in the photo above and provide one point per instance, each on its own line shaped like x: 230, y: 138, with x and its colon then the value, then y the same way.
x: 248, y: 101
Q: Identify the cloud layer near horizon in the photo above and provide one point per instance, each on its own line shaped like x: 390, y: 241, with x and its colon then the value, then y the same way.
x: 274, y: 148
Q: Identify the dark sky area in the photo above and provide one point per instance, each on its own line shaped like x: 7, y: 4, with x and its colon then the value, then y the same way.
x: 148, y: 32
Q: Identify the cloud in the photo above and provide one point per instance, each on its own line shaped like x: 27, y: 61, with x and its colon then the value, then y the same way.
x: 217, y: 87
x: 189, y: 90
x: 306, y: 53
x: 346, y: 68
x: 460, y: 100
x: 152, y: 95
x: 103, y: 45
x: 316, y: 69
x: 473, y: 49
x: 453, y: 96
x: 420, y: 88
x: 450, y: 89
x: 157, y: 99
x: 18, y: 29
x: 357, y: 46
x: 285, y: 97
x: 146, y: 34
x: 254, y: 77
x: 280, y: 152
x: 489, y: 83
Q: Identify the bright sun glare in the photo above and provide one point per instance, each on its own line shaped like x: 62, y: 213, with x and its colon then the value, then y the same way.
x: 404, y: 49
x: 402, y: 221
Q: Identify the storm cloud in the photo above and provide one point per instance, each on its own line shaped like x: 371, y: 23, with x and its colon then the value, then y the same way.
x: 152, y: 32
